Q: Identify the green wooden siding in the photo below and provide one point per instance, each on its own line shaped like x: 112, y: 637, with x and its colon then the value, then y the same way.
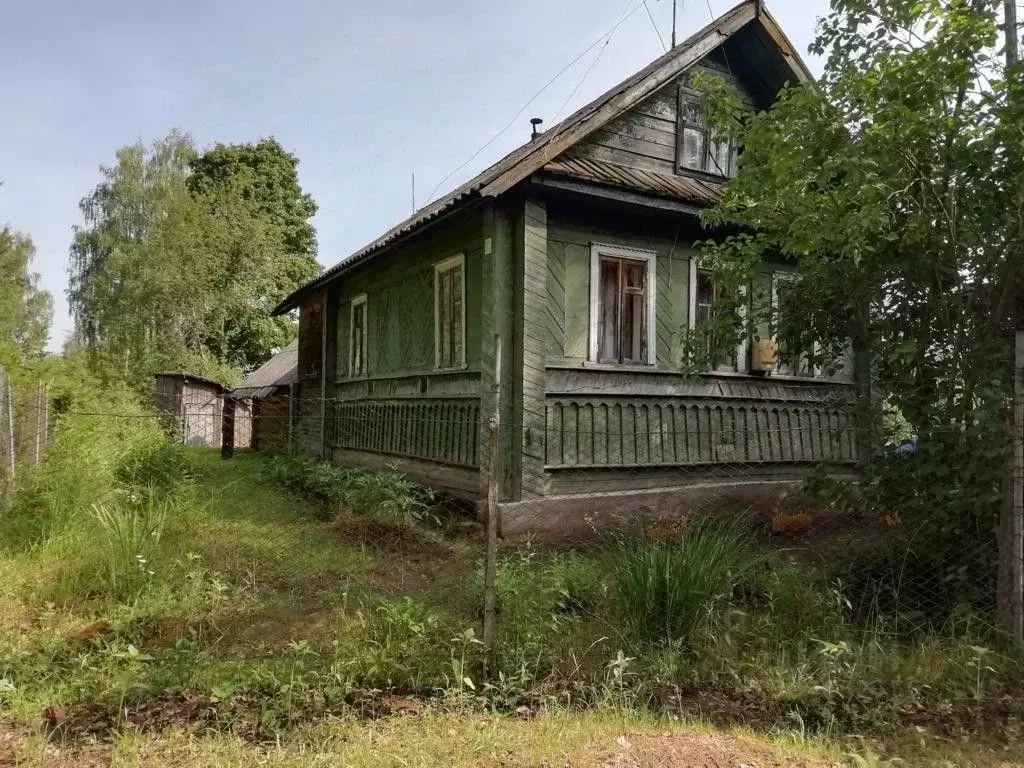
x: 399, y: 288
x: 570, y: 236
x: 403, y: 406
x: 443, y: 431
x: 645, y: 137
x: 609, y: 432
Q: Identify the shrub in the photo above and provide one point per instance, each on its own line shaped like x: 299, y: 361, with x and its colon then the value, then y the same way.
x: 665, y: 592
x: 360, y: 491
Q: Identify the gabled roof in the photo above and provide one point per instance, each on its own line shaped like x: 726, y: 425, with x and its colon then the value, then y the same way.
x: 521, y: 163
x: 280, y: 370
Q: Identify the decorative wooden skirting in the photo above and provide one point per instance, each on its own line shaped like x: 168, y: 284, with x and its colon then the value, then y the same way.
x: 619, y: 432
x: 443, y: 431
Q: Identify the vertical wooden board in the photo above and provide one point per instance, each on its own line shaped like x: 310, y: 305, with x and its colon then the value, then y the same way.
x: 553, y: 443
x: 601, y: 434
x: 616, y: 424
x: 627, y: 436
x: 556, y: 299
x: 585, y: 429
x: 798, y: 433
x: 664, y: 309
x: 642, y: 421
x: 676, y: 419
x: 773, y: 434
x: 570, y: 434
x: 534, y: 353
x: 730, y: 440
x: 707, y: 454
x: 577, y: 301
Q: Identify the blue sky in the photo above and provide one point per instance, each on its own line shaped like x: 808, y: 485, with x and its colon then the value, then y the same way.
x: 363, y: 93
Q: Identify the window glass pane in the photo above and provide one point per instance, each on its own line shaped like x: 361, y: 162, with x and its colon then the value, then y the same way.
x: 692, y: 113
x: 635, y: 275
x: 720, y: 158
x: 458, y: 353
x: 444, y: 318
x: 693, y: 148
x: 608, y: 348
x: 358, y: 339
x: 705, y: 288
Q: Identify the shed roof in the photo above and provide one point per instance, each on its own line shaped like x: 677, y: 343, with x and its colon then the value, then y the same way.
x: 529, y: 158
x: 186, y: 376
x: 280, y: 370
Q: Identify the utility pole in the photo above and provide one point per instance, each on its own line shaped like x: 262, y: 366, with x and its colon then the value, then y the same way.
x: 674, y: 3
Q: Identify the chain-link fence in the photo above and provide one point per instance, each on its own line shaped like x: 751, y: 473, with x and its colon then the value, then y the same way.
x: 24, y: 428
x: 732, y: 531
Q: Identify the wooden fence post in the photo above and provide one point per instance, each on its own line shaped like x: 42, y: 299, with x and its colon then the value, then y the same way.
x: 493, y: 497
x: 42, y: 423
x: 8, y: 417
x: 227, y: 433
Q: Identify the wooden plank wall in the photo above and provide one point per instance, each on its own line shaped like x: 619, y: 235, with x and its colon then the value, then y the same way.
x: 535, y: 335
x: 645, y: 137
x: 568, y: 283
x: 441, y: 431
x: 611, y: 432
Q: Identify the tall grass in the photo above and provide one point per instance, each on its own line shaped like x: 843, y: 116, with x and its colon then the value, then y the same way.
x: 665, y: 592
x: 131, y: 539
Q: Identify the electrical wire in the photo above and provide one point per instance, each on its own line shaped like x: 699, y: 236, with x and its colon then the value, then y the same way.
x: 586, y: 74
x: 543, y: 88
x: 655, y: 25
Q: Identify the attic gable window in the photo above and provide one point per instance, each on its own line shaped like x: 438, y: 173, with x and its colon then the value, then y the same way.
x: 698, y: 148
x: 450, y: 313
x: 621, y: 305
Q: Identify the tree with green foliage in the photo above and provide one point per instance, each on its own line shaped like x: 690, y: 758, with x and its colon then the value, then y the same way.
x: 896, y: 186
x: 182, y: 256
x: 25, y: 309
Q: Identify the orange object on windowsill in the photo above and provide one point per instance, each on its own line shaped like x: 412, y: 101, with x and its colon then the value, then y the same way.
x: 764, y: 355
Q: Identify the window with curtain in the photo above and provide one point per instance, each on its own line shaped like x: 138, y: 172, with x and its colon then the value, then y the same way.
x: 449, y: 313
x: 623, y: 310
x: 704, y: 294
x: 357, y: 337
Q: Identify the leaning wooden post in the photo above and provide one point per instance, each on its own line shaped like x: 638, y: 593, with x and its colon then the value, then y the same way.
x: 227, y: 433
x: 493, y: 485
x: 41, y: 422
x: 12, y: 448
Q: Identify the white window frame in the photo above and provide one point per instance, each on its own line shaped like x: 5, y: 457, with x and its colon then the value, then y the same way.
x: 459, y: 260
x: 597, y: 250
x: 358, y: 301
x: 742, y: 349
x: 791, y: 277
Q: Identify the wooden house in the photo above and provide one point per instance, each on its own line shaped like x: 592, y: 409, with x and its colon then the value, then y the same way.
x: 553, y: 289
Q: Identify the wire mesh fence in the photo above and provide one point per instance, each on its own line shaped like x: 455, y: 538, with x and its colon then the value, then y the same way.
x: 906, y: 541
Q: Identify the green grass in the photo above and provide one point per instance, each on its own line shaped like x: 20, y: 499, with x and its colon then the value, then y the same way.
x: 288, y: 627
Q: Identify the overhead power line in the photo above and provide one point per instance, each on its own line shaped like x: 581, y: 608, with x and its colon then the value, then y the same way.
x: 655, y: 25
x: 535, y: 96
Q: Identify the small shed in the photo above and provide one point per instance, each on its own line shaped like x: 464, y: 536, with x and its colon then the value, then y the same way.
x: 267, y: 394
x: 193, y: 405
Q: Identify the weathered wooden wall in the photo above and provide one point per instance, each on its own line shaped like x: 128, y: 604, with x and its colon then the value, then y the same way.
x: 403, y: 407
x: 571, y: 232
x: 645, y: 137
